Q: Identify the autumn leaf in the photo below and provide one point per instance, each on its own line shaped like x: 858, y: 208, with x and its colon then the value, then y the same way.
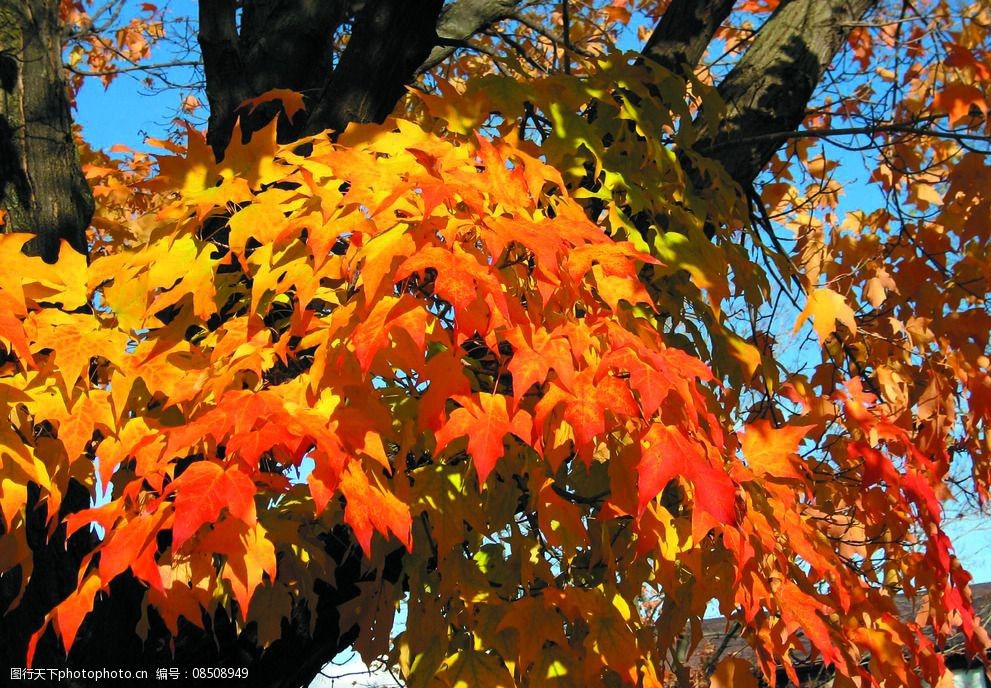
x: 203, y: 491
x: 467, y: 669
x: 826, y: 308
x: 132, y: 545
x: 250, y: 553
x: 369, y: 507
x: 956, y: 100
x: 486, y: 422
x: 667, y: 454
x: 69, y: 614
x: 773, y: 451
x: 733, y: 672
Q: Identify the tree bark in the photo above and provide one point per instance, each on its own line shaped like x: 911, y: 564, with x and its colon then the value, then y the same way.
x: 769, y: 89
x: 290, y: 44
x: 391, y: 38
x: 461, y: 20
x: 281, y: 44
x: 684, y: 32
x: 42, y: 187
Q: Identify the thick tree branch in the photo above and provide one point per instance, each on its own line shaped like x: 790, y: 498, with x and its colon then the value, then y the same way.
x: 463, y: 19
x: 226, y: 83
x: 390, y: 39
x: 685, y: 31
x: 769, y: 89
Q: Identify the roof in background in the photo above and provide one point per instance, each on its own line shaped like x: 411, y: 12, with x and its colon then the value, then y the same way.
x: 714, y: 631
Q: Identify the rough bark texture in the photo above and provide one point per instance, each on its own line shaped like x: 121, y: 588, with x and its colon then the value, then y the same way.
x: 42, y: 188
x: 685, y: 31
x: 281, y: 44
x: 768, y: 91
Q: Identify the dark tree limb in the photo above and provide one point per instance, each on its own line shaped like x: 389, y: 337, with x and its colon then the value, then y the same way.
x: 42, y: 187
x: 769, y: 89
x: 389, y: 40
x: 281, y: 44
x: 226, y: 82
x: 290, y: 44
x: 463, y: 19
x: 685, y: 31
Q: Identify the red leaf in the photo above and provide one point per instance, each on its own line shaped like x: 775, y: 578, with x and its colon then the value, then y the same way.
x: 667, y: 454
x: 202, y: 492
x: 133, y: 546
x: 485, y: 422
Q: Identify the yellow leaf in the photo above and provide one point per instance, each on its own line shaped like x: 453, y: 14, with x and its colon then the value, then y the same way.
x: 826, y: 307
x: 733, y: 672
x: 470, y: 669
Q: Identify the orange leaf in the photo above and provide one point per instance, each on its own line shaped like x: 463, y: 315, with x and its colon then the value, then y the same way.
x: 202, y: 491
x: 485, y: 422
x: 249, y: 553
x: 733, y: 672
x: 956, y: 100
x: 369, y: 507
x: 772, y: 451
x: 69, y: 614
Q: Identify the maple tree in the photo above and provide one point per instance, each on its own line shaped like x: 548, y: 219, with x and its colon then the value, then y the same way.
x: 504, y: 350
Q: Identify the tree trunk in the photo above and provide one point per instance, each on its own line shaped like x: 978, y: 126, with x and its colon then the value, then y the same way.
x: 391, y: 38
x: 42, y: 188
x: 281, y: 44
x: 290, y: 44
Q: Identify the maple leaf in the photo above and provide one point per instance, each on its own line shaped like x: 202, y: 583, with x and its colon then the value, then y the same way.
x: 369, y: 507
x: 535, y: 354
x: 826, y: 308
x: 532, y: 618
x: 956, y: 100
x: 468, y: 668
x: 485, y: 420
x: 733, y: 672
x: 202, y: 491
x: 132, y: 545
x: 69, y: 614
x: 772, y: 451
x: 667, y: 454
x: 249, y: 553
